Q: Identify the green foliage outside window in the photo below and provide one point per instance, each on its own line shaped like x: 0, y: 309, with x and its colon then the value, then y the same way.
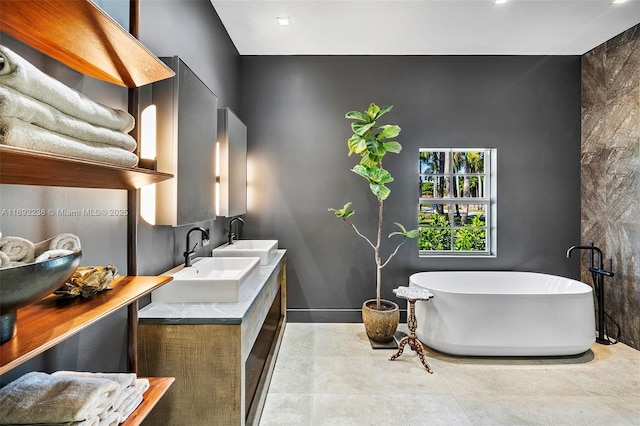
x: 436, y: 234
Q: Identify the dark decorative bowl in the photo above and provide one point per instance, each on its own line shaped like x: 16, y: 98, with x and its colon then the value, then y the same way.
x: 25, y: 284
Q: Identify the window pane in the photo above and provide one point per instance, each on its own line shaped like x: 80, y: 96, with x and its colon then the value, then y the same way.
x: 466, y: 214
x: 433, y: 186
x: 473, y: 186
x: 432, y: 162
x: 468, y: 162
x: 470, y: 239
x: 434, y: 215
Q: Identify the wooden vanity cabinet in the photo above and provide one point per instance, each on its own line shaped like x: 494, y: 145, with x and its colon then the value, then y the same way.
x: 222, y: 365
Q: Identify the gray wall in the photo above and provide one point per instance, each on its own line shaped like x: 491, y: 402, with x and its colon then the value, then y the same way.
x: 526, y: 107
x: 192, y: 30
x: 611, y: 174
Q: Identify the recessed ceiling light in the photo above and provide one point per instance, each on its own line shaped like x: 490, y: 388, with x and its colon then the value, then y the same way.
x: 283, y: 21
x: 618, y: 1
x: 500, y: 1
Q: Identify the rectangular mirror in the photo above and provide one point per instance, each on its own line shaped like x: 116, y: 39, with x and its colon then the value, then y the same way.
x: 232, y: 140
x: 187, y: 113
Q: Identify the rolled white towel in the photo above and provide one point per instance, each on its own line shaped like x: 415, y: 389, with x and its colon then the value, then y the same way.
x: 17, y: 133
x: 22, y: 76
x: 21, y: 106
x: 52, y: 254
x: 42, y: 398
x: 5, y: 260
x: 17, y: 249
x: 65, y: 241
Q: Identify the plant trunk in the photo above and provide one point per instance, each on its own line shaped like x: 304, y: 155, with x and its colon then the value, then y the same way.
x: 377, y: 256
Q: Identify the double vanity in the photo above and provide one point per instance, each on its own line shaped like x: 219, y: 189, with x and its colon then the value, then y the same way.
x: 216, y: 327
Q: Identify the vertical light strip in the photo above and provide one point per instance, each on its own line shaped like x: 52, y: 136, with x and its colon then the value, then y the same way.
x: 148, y: 151
x: 218, y: 179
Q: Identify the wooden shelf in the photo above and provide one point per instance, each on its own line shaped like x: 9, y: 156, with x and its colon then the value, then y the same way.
x: 27, y: 167
x: 159, y: 385
x: 48, y: 322
x: 80, y: 35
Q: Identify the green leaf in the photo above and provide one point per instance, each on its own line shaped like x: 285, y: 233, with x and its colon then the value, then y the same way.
x: 376, y: 175
x: 356, y: 144
x: 388, y: 131
x: 383, y: 111
x: 375, y: 147
x: 360, y: 128
x: 380, y: 175
x: 414, y: 233
x: 344, y: 212
x: 357, y: 115
x: 370, y: 160
x: 402, y: 228
x: 373, y: 111
x: 394, y: 147
x: 361, y: 170
x: 379, y: 190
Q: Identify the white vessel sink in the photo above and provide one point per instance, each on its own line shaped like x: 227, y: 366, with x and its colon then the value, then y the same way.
x: 264, y: 249
x: 209, y: 279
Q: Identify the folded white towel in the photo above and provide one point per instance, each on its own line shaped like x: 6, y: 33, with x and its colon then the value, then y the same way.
x: 17, y: 249
x: 110, y: 419
x: 134, y: 399
x: 128, y: 398
x: 42, y: 398
x: 19, y: 134
x: 124, y: 381
x: 130, y: 406
x: 52, y: 254
x: 21, y: 75
x: 21, y: 106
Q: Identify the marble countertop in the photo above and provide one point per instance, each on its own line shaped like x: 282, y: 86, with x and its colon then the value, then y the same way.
x: 213, y: 313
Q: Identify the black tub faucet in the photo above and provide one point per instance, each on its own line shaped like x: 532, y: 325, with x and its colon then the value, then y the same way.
x: 592, y: 265
x: 597, y: 275
x: 189, y: 253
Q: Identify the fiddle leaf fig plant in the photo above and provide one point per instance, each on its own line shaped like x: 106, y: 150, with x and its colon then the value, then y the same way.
x: 371, y: 141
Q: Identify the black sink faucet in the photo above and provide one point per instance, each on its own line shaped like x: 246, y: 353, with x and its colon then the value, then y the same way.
x: 230, y: 231
x: 189, y: 253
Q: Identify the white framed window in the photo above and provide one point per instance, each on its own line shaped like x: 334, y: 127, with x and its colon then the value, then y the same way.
x: 457, y: 202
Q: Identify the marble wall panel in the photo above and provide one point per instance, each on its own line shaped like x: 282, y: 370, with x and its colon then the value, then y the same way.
x: 610, y: 175
x: 622, y: 63
x: 594, y: 81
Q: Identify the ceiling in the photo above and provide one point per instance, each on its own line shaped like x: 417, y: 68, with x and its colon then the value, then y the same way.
x: 424, y: 27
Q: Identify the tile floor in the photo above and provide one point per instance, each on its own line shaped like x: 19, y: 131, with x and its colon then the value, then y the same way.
x: 327, y: 374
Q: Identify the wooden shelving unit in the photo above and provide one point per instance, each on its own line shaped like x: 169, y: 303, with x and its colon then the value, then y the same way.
x: 50, y: 321
x: 80, y: 35
x: 26, y: 167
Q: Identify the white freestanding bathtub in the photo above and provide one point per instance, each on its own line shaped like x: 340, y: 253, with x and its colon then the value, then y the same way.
x: 487, y: 313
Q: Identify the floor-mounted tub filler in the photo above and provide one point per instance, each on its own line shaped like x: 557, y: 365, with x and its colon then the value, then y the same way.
x: 495, y: 313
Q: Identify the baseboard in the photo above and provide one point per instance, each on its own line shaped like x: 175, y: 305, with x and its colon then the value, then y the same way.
x: 331, y: 315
